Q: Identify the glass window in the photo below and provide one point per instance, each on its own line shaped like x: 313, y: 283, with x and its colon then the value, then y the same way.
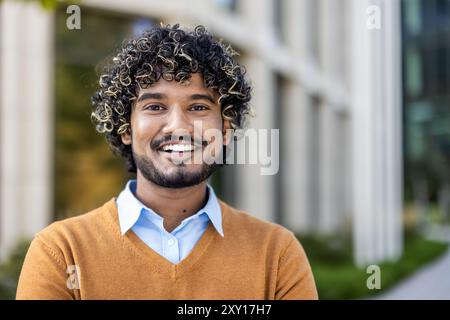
x: 229, y: 5
x: 426, y: 74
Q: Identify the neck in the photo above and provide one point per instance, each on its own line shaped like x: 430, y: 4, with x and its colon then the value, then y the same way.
x: 172, y: 204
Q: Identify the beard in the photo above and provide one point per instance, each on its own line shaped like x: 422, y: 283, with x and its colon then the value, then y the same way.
x: 180, y: 179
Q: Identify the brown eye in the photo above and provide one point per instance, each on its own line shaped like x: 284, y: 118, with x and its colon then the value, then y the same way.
x: 198, y: 107
x: 153, y: 107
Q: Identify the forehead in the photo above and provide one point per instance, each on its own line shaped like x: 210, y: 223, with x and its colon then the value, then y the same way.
x: 176, y: 89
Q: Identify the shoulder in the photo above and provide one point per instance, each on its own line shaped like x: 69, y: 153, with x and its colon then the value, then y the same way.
x: 240, y: 223
x: 75, y: 229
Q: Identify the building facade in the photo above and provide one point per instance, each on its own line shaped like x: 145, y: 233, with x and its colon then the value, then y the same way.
x: 326, y: 73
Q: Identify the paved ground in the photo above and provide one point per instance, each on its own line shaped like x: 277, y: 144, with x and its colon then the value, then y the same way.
x: 432, y: 282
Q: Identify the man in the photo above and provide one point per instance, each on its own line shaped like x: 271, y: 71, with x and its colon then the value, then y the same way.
x: 160, y: 104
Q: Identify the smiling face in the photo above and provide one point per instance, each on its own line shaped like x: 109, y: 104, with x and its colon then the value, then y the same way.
x: 170, y: 122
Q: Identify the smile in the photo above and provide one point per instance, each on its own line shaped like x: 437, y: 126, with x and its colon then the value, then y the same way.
x: 178, y: 148
x: 178, y: 151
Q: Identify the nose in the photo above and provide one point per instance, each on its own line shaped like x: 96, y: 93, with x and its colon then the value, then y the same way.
x: 177, y: 123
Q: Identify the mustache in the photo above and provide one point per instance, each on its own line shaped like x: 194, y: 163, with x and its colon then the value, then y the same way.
x: 156, y: 143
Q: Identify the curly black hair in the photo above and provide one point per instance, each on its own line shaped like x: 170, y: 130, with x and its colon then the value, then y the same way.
x: 173, y: 54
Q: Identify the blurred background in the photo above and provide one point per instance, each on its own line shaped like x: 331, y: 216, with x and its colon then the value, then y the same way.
x: 359, y: 90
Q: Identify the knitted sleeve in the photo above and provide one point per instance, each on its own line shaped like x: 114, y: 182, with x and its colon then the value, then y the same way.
x: 295, y: 279
x: 44, y: 274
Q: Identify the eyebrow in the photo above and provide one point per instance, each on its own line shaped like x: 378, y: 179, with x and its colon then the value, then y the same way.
x: 157, y: 96
x: 203, y: 97
x: 160, y: 96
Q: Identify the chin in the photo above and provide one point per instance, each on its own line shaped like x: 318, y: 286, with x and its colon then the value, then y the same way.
x: 177, y: 168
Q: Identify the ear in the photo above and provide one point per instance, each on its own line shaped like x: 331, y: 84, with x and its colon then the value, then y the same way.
x: 227, y: 132
x: 126, y: 137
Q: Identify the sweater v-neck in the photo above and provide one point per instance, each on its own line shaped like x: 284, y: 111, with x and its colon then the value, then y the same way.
x: 157, y: 262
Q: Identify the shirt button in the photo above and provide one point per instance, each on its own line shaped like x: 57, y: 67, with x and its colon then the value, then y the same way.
x: 170, y: 242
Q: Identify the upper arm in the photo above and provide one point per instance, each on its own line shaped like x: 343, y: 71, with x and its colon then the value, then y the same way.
x: 295, y: 279
x: 43, y: 274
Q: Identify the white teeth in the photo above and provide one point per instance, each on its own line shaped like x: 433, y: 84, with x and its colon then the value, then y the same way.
x: 178, y: 147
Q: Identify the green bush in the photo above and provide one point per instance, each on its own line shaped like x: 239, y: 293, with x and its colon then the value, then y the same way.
x: 10, y: 270
x: 337, y: 277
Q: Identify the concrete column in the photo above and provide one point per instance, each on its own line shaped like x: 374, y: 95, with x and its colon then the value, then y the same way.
x: 376, y: 132
x: 330, y: 209
x: 393, y: 128
x: 331, y: 168
x: 296, y: 120
x: 256, y: 192
x: 296, y: 159
x: 26, y: 121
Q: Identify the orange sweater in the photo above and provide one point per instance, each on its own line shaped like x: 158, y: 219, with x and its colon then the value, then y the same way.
x: 86, y: 257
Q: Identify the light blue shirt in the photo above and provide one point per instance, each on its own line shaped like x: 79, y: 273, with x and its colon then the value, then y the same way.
x: 148, y: 225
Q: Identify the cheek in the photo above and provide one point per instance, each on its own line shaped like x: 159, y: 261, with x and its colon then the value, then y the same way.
x: 143, y: 130
x: 212, y: 129
x: 213, y: 122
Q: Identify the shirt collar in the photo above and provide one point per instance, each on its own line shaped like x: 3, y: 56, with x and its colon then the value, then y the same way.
x: 212, y: 209
x: 130, y: 209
